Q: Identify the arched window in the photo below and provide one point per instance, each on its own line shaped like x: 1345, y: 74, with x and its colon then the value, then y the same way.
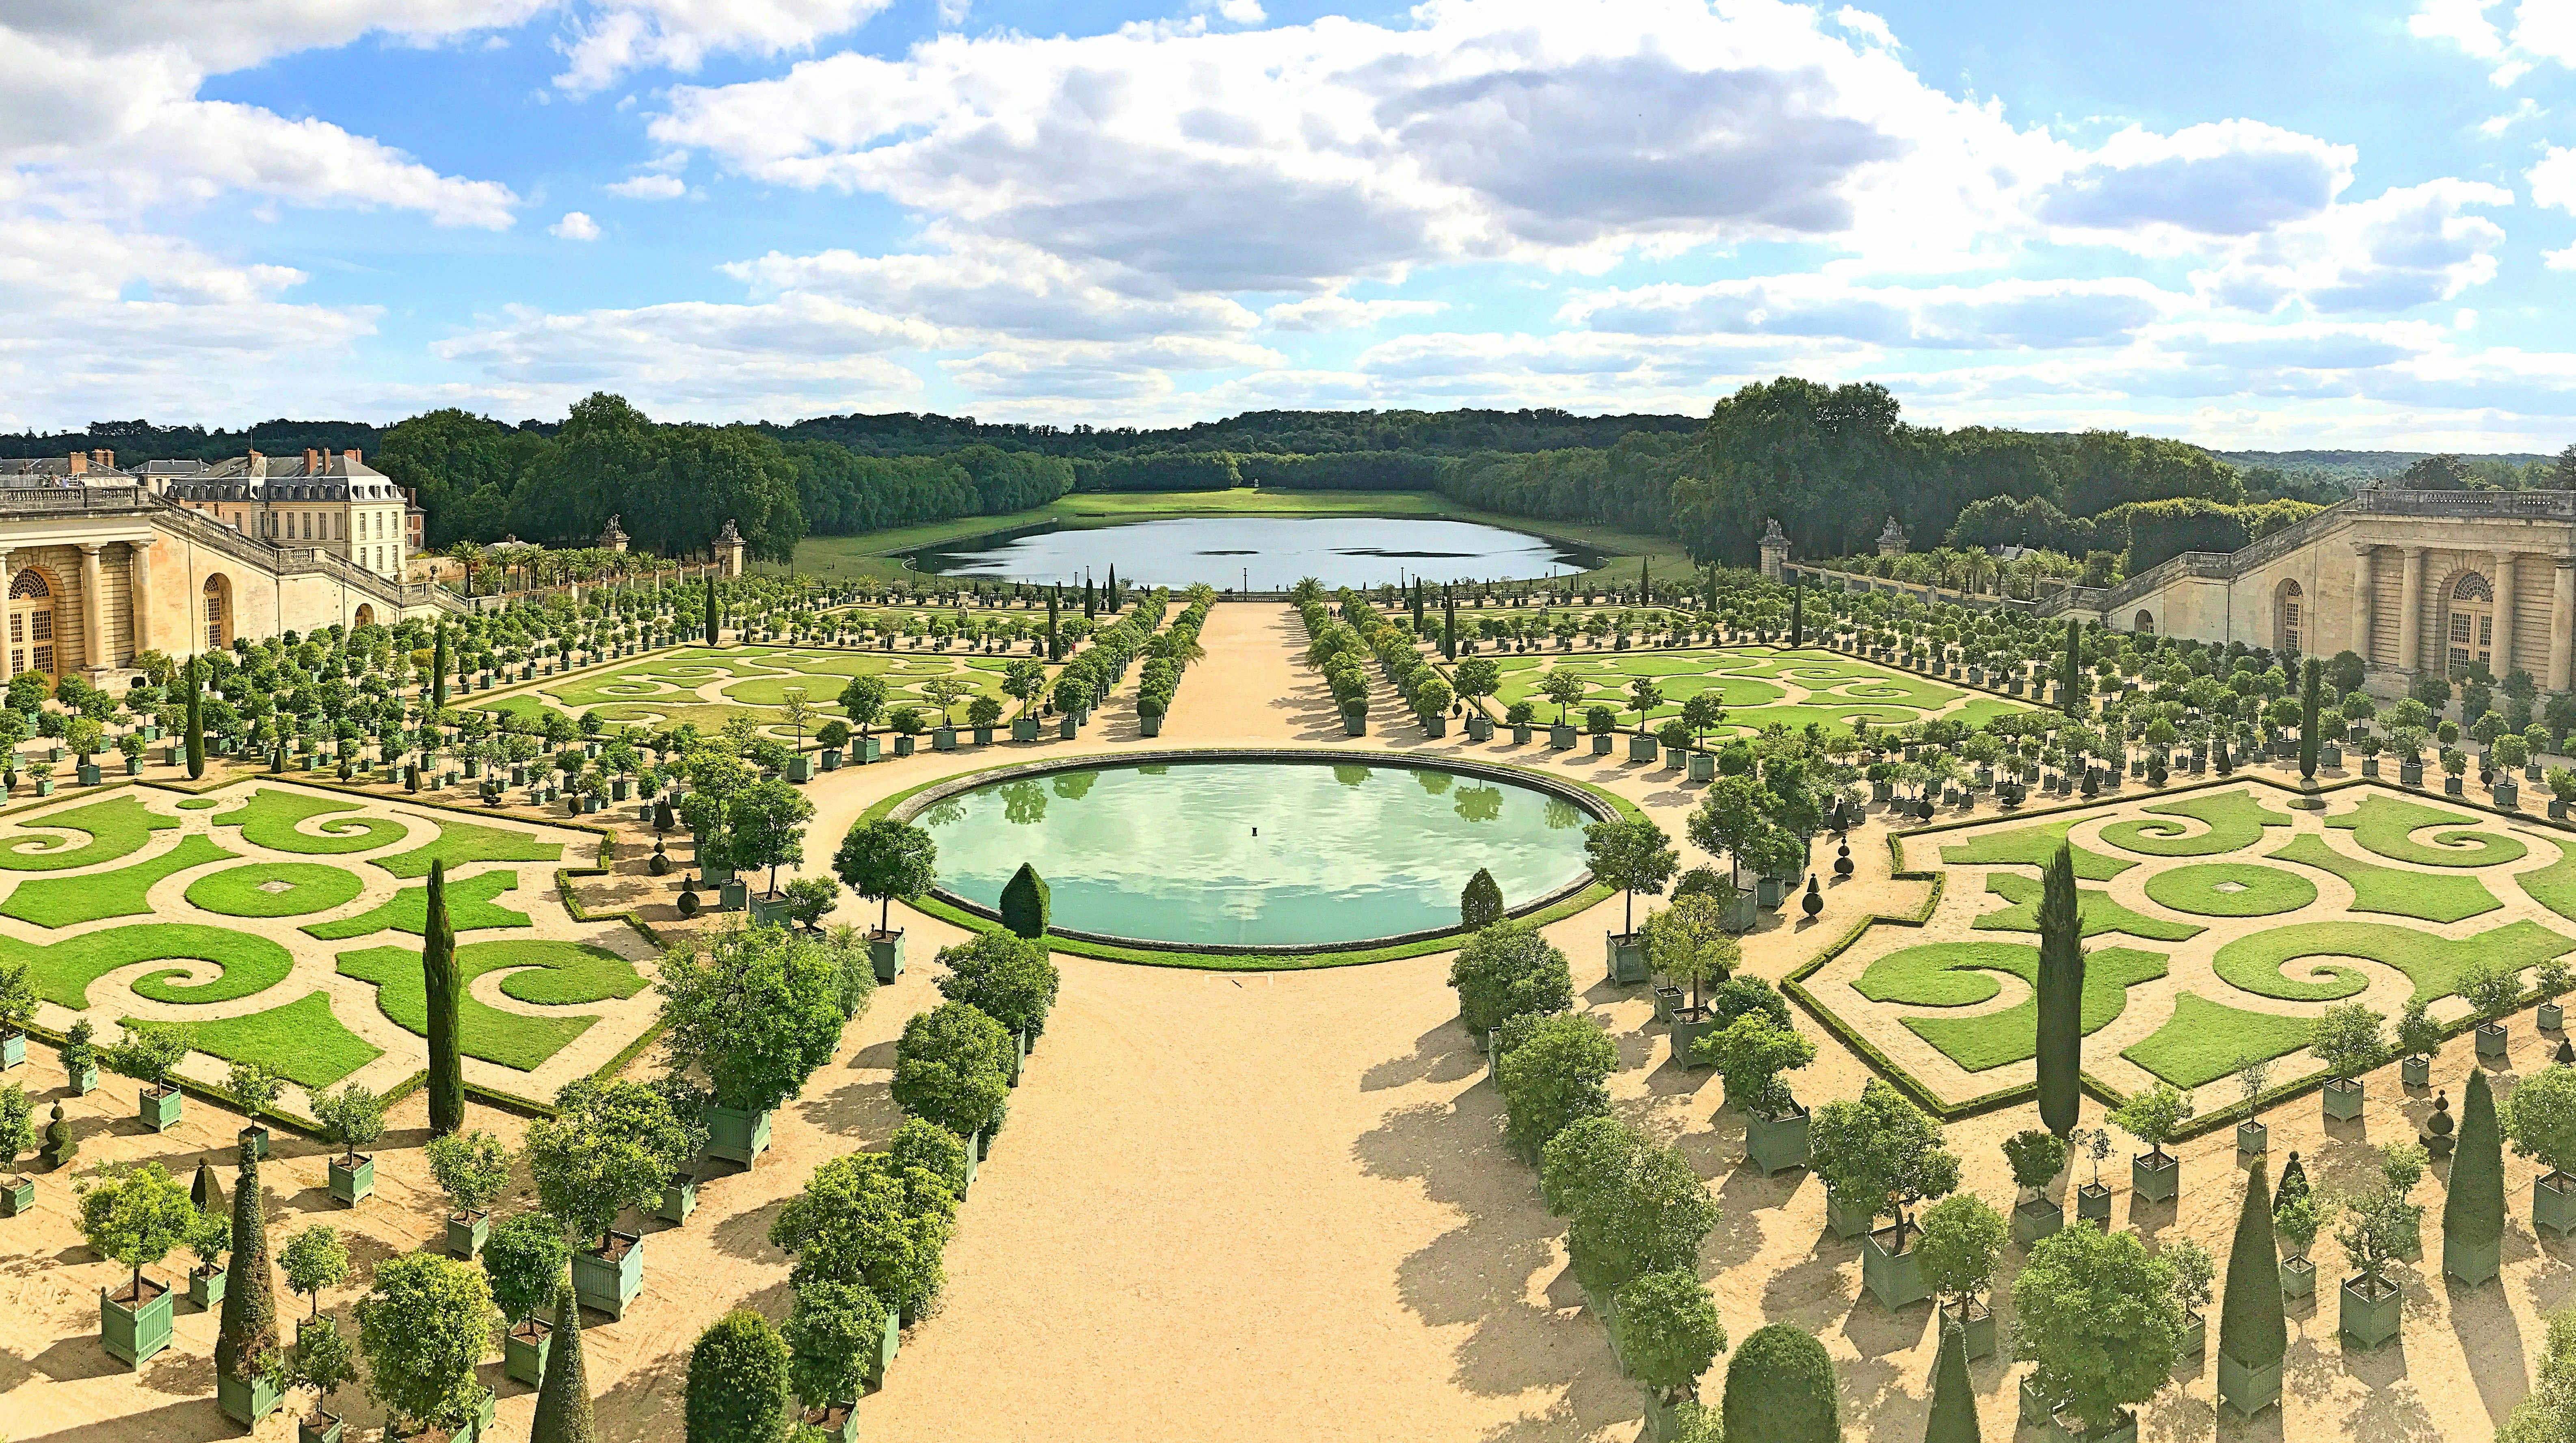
x: 2468, y: 623
x: 2146, y: 624
x: 31, y: 623
x: 219, y: 612
x: 2290, y: 617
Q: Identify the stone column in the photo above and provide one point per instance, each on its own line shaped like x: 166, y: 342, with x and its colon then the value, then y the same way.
x: 2504, y: 599
x: 139, y: 587
x: 2362, y: 601
x: 93, y: 611
x: 8, y: 577
x: 2562, y: 621
x: 2410, y: 621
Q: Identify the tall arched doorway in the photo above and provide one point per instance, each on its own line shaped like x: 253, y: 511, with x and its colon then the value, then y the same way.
x: 31, y: 622
x: 2289, y: 618
x: 219, y: 612
x: 2468, y: 623
x: 2146, y: 624
x: 366, y: 615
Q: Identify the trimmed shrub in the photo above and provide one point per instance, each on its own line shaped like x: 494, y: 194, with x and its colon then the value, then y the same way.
x: 1555, y: 1076
x: 1505, y: 970
x: 563, y: 1399
x: 1004, y: 975
x: 952, y: 1066
x: 2474, y: 1211
x: 1668, y: 1331
x: 2251, y: 1328
x: 1024, y: 903
x: 737, y: 1382
x: 1780, y: 1389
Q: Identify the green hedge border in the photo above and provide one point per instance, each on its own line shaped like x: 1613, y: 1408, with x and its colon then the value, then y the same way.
x: 1592, y: 895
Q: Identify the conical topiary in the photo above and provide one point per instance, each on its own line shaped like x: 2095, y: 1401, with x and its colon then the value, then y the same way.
x: 248, y: 1329
x: 207, y: 1190
x: 2251, y: 1329
x: 1780, y: 1389
x: 1024, y: 903
x: 2294, y: 1182
x: 2474, y: 1212
x: 563, y: 1400
x: 1481, y: 904
x: 1954, y: 1398
x: 2061, y: 996
x: 444, y: 987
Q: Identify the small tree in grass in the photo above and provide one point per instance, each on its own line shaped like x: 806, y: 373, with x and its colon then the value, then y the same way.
x: 1688, y: 942
x: 737, y: 1382
x: 1668, y: 1332
x: 136, y: 1216
x: 2348, y: 1039
x: 833, y: 1332
x: 2153, y: 1116
x: 952, y: 1066
x: 2251, y: 1327
x: 1004, y: 975
x: 2539, y: 1118
x: 1480, y: 905
x: 870, y: 1221
x: 753, y: 1010
x: 1882, y: 1153
x: 1631, y: 855
x: 2101, y: 1319
x: 1962, y: 1239
x: 2473, y: 1210
x: 1559, y: 1073
x: 312, y: 1260
x: 1024, y: 903
x: 609, y: 1146
x: 1780, y: 1389
x: 885, y: 859
x: 1505, y: 970
x: 423, y: 1328
x: 563, y: 1399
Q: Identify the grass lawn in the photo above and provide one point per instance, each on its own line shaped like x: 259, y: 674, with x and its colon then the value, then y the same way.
x: 63, y: 970
x: 2554, y: 886
x: 2204, y: 1041
x: 2099, y: 912
x: 2387, y: 825
x: 115, y: 827
x: 2231, y: 889
x: 1954, y: 974
x: 200, y: 804
x: 459, y: 843
x: 2256, y: 963
x: 271, y: 819
x: 304, y: 1041
x: 2235, y: 821
x: 2432, y: 897
x: 547, y: 973
x: 273, y: 889
x: 70, y: 901
x: 469, y: 905
x: 2032, y: 847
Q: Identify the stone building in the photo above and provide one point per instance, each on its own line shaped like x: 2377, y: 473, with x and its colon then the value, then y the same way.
x: 336, y: 503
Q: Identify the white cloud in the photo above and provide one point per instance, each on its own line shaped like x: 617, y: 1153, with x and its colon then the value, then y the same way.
x: 575, y: 226
x: 2553, y: 179
x: 2563, y: 259
x: 1864, y: 24
x: 1341, y: 313
x: 2044, y: 315
x: 2462, y: 22
x: 2543, y: 31
x: 612, y: 38
x: 2525, y: 109
x: 2233, y: 178
x: 650, y: 187
x: 2406, y: 247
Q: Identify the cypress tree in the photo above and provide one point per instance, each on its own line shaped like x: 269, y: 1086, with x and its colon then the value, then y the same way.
x: 2061, y: 996
x: 1090, y: 602
x: 445, y: 988
x: 2251, y: 1329
x: 2474, y: 1212
x: 2310, y: 685
x: 196, y: 725
x: 1645, y: 581
x: 1055, y: 644
x: 1024, y: 903
x: 1797, y: 615
x: 1780, y: 1389
x: 563, y: 1400
x: 1113, y: 588
x: 248, y: 1328
x: 1954, y: 1398
x: 2073, y: 675
x: 1417, y: 604
x: 1448, y: 625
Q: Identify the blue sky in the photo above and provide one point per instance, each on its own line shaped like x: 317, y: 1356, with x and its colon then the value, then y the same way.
x: 2251, y: 225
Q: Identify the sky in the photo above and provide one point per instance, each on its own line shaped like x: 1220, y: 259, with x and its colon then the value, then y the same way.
x: 2273, y: 225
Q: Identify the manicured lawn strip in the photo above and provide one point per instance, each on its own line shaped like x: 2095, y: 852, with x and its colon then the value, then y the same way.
x: 115, y: 827
x: 269, y: 819
x: 237, y: 891
x: 70, y: 901
x: 2235, y: 819
x: 461, y: 843
x: 199, y: 804
x: 2099, y: 913
x: 2554, y: 886
x: 1983, y: 709
x: 2033, y: 847
x: 2204, y: 1041
x: 549, y: 973
x: 304, y: 1041
x: 2387, y: 825
x: 2255, y: 963
x: 2268, y: 892
x: 2432, y: 897
x: 469, y: 906
x: 63, y: 970
x: 1952, y: 974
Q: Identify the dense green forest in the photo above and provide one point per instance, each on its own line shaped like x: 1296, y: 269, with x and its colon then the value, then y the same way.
x: 1830, y: 463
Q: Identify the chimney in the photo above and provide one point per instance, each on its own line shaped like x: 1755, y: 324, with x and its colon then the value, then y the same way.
x: 104, y: 460
x: 354, y: 455
x: 78, y: 464
x: 312, y: 462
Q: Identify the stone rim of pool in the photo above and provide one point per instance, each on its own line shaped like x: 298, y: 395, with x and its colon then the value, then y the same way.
x: 1571, y: 557
x: 1593, y: 806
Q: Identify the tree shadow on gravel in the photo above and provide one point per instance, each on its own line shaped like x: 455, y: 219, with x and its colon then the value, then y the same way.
x: 2483, y: 1322
x: 1441, y: 1054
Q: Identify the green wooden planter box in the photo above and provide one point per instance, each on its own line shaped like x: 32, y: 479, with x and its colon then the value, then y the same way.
x: 465, y: 1234
x: 2125, y: 1431
x: 2093, y: 1204
x: 2253, y: 1137
x: 1560, y: 738
x: 1776, y: 1144
x: 885, y: 950
x: 2491, y: 1041
x: 524, y: 1349
x: 86, y: 1082
x: 838, y: 1423
x: 1601, y: 743
x: 1686, y: 1033
x: 2471, y: 1263
x: 2248, y: 1390
x: 2037, y: 1408
x: 608, y: 1284
x: 2366, y: 1320
x: 1977, y: 1329
x: 679, y: 1199
x: 1520, y: 736
x: 831, y: 758
x: 206, y: 1288
x: 1628, y: 958
x: 2553, y: 1202
x: 1848, y: 1222
x: 133, y: 1335
x: 1644, y: 749
x: 1355, y: 723
x: 160, y: 1108
x: 352, y: 1182
x: 737, y: 1136
x: 943, y: 739
x: 247, y: 1400
x: 2155, y: 1180
x: 2553, y: 1017
x: 2036, y: 1219
x: 2342, y: 1100
x: 1703, y: 766
x: 2298, y: 1278
x: 866, y: 749
x: 1895, y: 1279
x: 1480, y: 728
x: 1024, y: 729
x: 17, y: 1196
x: 318, y: 1427
x: 888, y: 1344
x: 257, y: 1139
x: 1668, y: 1000
x: 903, y: 746
x: 800, y: 768
x: 2415, y: 1071
x: 2195, y: 1339
x: 1067, y: 727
